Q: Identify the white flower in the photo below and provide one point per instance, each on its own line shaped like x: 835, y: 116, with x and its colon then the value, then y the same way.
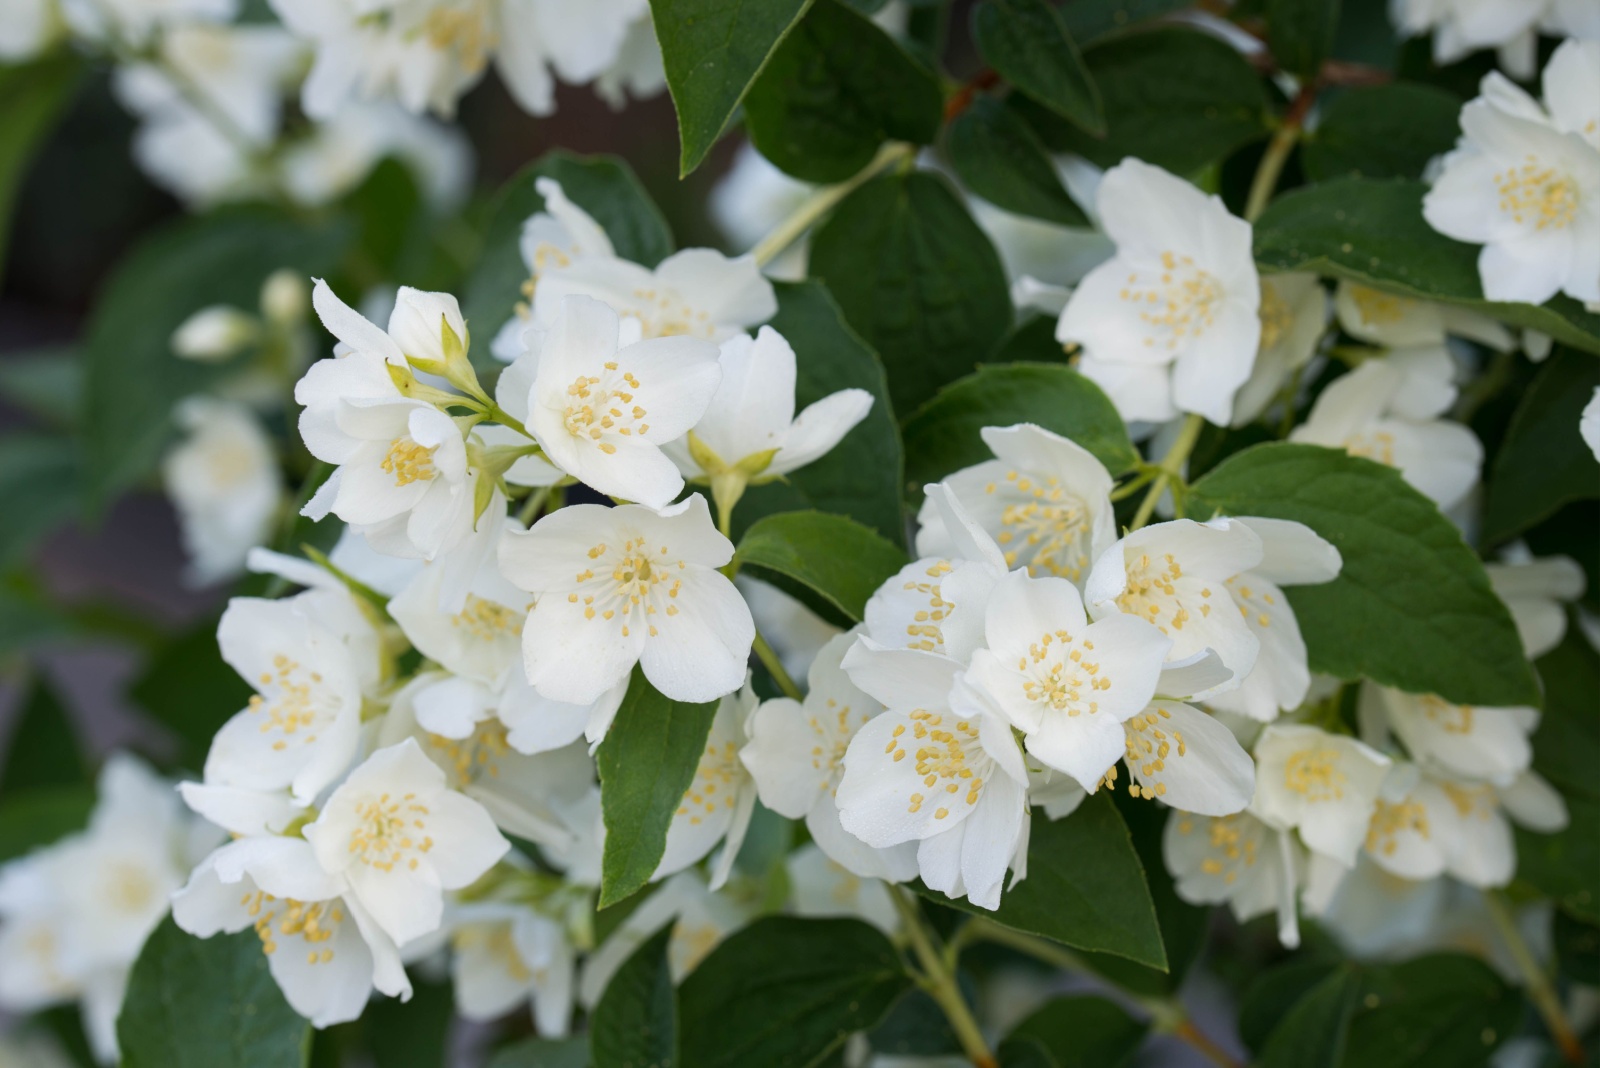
x: 136, y: 22
x: 638, y: 69
x: 333, y: 156
x: 951, y: 779
x: 29, y: 28
x: 1238, y: 859
x: 1045, y: 500
x: 215, y: 334
x: 796, y: 756
x: 581, y: 44
x: 223, y: 479
x: 1171, y: 323
x: 720, y: 799
x: 602, y: 408
x: 750, y: 199
x: 503, y: 955
x: 1394, y: 322
x: 1528, y: 191
x: 1537, y: 592
x: 821, y: 886
x: 697, y: 292
x: 399, y: 837
x: 323, y: 949
x: 1323, y: 785
x: 1066, y: 683
x: 624, y: 586
x: 1463, y: 26
x: 1186, y: 759
x: 1589, y: 424
x: 555, y: 237
x: 1467, y: 741
x: 1388, y: 410
x: 1294, y: 316
x: 1044, y: 260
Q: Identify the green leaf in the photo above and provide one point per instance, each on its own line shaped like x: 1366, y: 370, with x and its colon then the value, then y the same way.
x: 39, y: 479
x: 207, y: 1003
x: 833, y: 91
x: 1566, y: 747
x: 1091, y: 21
x: 646, y: 764
x: 861, y: 477
x: 1272, y: 992
x: 837, y: 558
x: 133, y: 378
x: 187, y: 687
x: 32, y: 818
x: 1566, y: 865
x: 543, y: 1053
x: 1173, y: 97
x: 1385, y: 131
x: 35, y: 94
x: 411, y: 1034
x: 1577, y: 947
x: 1083, y: 1031
x: 785, y: 992
x: 998, y: 157
x: 1313, y: 1032
x: 44, y: 750
x: 1543, y: 463
x: 26, y: 623
x: 603, y: 186
x: 1028, y: 45
x: 713, y: 51
x: 917, y: 279
x: 48, y: 382
x: 1372, y: 231
x: 1104, y: 905
x: 635, y: 1025
x: 1412, y: 607
x: 943, y: 436
x: 1301, y: 34
x: 1024, y: 1052
x: 1441, y: 1011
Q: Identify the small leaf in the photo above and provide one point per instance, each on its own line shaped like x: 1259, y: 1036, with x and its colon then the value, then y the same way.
x: 998, y: 157
x: 1313, y: 1032
x: 712, y: 52
x: 1412, y: 607
x: 837, y: 558
x: 207, y: 1003
x: 1301, y: 34
x: 836, y: 89
x: 1543, y: 463
x: 635, y: 1024
x: 1103, y: 905
x: 35, y: 93
x: 785, y: 992
x: 1385, y: 131
x: 646, y: 764
x: 943, y: 436
x: 1445, y: 1010
x: 917, y: 279
x: 1027, y: 44
x: 1083, y: 1031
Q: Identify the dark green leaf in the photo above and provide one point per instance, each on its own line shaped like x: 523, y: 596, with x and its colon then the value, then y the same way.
x: 207, y: 1003
x: 1577, y: 948
x: 26, y: 623
x: 1090, y: 21
x: 1177, y: 98
x: 1083, y: 1031
x: 188, y: 688
x: 39, y: 479
x: 35, y: 94
x: 1412, y: 607
x: 713, y: 51
x: 1027, y: 44
x: 943, y: 436
x: 133, y: 378
x: 1312, y: 1033
x: 1543, y: 463
x: 998, y: 157
x: 1372, y: 231
x: 43, y: 751
x: 1024, y: 1052
x: 863, y: 475
x: 1566, y: 747
x: 1273, y: 992
x: 1102, y: 906
x: 1032, y: 340
x: 1566, y: 865
x: 646, y: 764
x: 785, y: 992
x: 543, y: 1053
x: 1385, y: 131
x: 635, y: 1025
x: 411, y: 1034
x: 33, y: 818
x: 835, y: 557
x: 48, y: 382
x: 917, y: 279
x: 1440, y: 1011
x: 836, y: 89
x: 603, y: 186
x: 1301, y: 34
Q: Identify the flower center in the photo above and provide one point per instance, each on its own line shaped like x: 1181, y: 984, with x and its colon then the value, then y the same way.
x: 1152, y: 593
x: 495, y: 940
x: 409, y: 462
x: 1454, y: 719
x: 484, y: 619
x: 1179, y: 305
x: 634, y: 579
x: 293, y: 710
x: 1537, y: 194
x: 1149, y: 743
x: 130, y: 887
x: 1043, y: 528
x: 312, y: 922
x: 663, y: 313
x: 1233, y: 844
x: 476, y: 756
x: 598, y: 406
x: 1389, y: 821
x: 714, y: 782
x: 924, y: 630
x: 1057, y: 674
x: 464, y: 31
x: 941, y: 760
x: 1378, y: 308
x: 1470, y: 799
x: 1276, y: 319
x: 390, y: 832
x: 1377, y: 445
x: 833, y: 739
x: 1315, y: 775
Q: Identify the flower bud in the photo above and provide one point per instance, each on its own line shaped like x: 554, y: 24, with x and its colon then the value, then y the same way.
x: 285, y: 298
x: 215, y: 334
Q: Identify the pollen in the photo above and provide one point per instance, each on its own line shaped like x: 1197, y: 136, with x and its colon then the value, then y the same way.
x: 1538, y: 195
x: 1177, y: 304
x: 409, y: 462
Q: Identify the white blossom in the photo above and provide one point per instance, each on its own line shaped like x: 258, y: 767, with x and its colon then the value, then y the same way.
x: 1589, y: 424
x: 1396, y: 322
x: 215, y: 334
x: 1467, y: 741
x: 136, y: 22
x: 1238, y: 859
x: 750, y: 199
x: 29, y: 28
x: 1537, y: 592
x: 1323, y: 785
x: 1294, y: 316
x: 553, y: 238
x: 721, y: 797
x: 1460, y: 27
x: 821, y: 886
x: 335, y: 154
x: 697, y: 292
x: 503, y: 955
x: 224, y: 481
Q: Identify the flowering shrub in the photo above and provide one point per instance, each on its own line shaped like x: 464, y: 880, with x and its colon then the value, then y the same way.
x: 1129, y: 515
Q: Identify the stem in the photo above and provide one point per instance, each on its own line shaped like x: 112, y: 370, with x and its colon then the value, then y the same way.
x: 1492, y: 381
x: 774, y: 666
x: 1271, y: 166
x: 822, y: 201
x: 1170, y: 468
x: 1540, y: 992
x: 531, y: 506
x: 939, y: 979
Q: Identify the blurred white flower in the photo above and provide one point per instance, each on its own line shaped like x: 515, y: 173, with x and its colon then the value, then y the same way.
x: 334, y: 155
x: 1240, y: 860
x: 224, y: 481
x: 821, y: 886
x: 697, y: 292
x: 557, y: 236
x: 1323, y: 785
x: 720, y: 799
x: 134, y: 23
x: 1465, y: 741
x: 1537, y: 591
x: 29, y: 28
x: 1396, y: 322
x: 503, y: 955
x: 1294, y: 316
x: 750, y: 200
x: 1460, y: 27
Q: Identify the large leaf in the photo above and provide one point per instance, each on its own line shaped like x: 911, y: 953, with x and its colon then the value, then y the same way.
x: 43, y: 752
x: 36, y: 817
x: 1372, y: 231
x: 862, y: 476
x: 1085, y: 887
x: 47, y: 382
x: 785, y: 992
x: 187, y: 687
x: 712, y: 51
x: 34, y: 94
x: 1543, y: 463
x: 207, y: 1003
x: 603, y: 186
x: 39, y: 477
x: 543, y: 1053
x: 1566, y: 865
x: 998, y: 157
x: 1083, y: 1031
x: 1566, y: 747
x: 1412, y: 607
x: 133, y: 378
x: 635, y: 1025
x: 917, y: 279
x: 1028, y: 45
x: 411, y: 1034
x: 1090, y: 21
x: 833, y: 91
x: 943, y: 436
x: 836, y: 558
x: 1441, y: 1011
x: 1385, y: 131
x: 1176, y: 98
x: 1301, y: 34
x: 1312, y: 1033
x: 646, y: 764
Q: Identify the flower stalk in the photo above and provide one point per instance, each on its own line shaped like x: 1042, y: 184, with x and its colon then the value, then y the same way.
x: 824, y: 200
x: 938, y: 977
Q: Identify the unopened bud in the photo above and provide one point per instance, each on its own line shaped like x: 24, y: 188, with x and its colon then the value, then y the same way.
x: 285, y: 298
x: 215, y: 334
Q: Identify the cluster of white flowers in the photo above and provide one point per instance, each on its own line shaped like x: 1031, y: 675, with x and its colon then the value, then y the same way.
x: 1511, y: 27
